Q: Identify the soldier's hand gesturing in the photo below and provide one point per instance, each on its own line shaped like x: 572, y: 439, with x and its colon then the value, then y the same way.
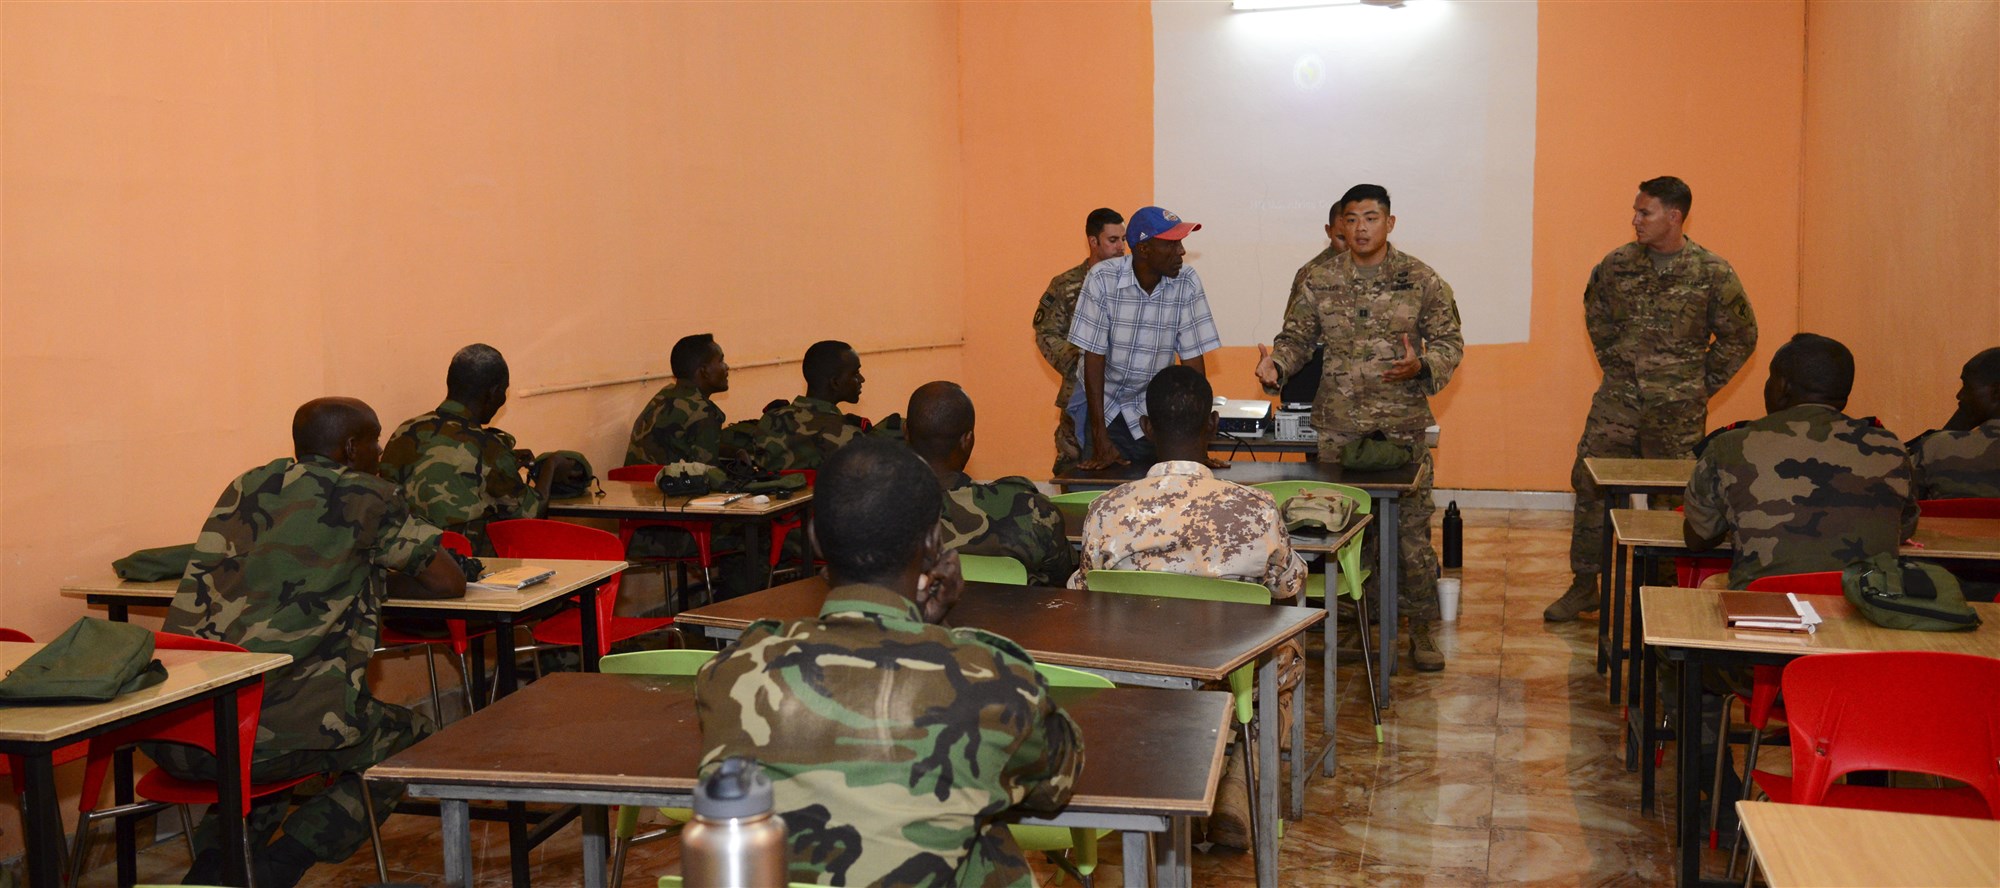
x: 1407, y: 366
x: 1267, y: 369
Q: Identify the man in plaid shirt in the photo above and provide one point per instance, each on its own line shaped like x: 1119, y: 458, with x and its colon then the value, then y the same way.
x: 1136, y: 313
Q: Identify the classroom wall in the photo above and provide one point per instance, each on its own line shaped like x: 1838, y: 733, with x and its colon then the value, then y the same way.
x: 1902, y: 197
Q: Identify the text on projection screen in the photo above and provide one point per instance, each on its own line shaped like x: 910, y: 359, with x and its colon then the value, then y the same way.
x: 1262, y: 120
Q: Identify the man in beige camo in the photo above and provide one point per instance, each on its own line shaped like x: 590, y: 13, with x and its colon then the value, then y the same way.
x: 1389, y: 326
x: 1104, y: 238
x: 1670, y: 326
x: 1962, y: 460
x: 1180, y: 518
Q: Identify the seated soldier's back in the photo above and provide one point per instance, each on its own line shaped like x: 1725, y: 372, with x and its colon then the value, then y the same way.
x: 1180, y: 518
x: 1958, y: 464
x: 1008, y: 518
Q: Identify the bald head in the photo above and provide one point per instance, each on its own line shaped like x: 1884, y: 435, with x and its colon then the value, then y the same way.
x: 938, y: 424
x: 344, y: 430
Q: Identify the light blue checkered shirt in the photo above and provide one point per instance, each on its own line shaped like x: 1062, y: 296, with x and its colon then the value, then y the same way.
x: 1139, y: 333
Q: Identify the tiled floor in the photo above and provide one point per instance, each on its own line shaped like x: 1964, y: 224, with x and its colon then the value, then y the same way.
x: 1503, y: 769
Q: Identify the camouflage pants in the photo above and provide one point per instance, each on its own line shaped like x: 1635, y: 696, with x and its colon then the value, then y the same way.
x: 1417, y: 561
x: 333, y: 823
x: 1620, y: 428
x: 1069, y: 451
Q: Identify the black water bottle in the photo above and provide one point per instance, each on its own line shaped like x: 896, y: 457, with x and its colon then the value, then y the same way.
x: 1454, y: 537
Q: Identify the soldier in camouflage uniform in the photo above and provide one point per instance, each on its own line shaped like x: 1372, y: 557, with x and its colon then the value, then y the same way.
x: 1180, y: 518
x: 458, y: 473
x: 1962, y: 460
x: 682, y: 423
x: 803, y: 433
x: 1670, y: 326
x: 1009, y: 517
x: 1104, y: 236
x: 294, y: 560
x: 1806, y: 488
x: 895, y: 746
x: 1390, y: 328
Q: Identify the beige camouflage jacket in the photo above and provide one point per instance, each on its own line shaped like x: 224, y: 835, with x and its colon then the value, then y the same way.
x: 1180, y: 518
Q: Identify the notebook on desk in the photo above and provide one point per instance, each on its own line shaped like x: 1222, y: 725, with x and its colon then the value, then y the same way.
x: 513, y: 579
x: 1768, y: 611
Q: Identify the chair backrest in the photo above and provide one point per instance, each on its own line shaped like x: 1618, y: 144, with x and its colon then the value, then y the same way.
x: 1076, y: 502
x: 457, y: 542
x: 667, y: 662
x: 14, y: 635
x: 1825, y: 582
x: 993, y: 569
x: 191, y: 725
x: 542, y: 538
x: 1284, y: 490
x: 1162, y: 584
x: 641, y: 472
x: 1972, y: 507
x: 1065, y: 677
x: 1920, y: 711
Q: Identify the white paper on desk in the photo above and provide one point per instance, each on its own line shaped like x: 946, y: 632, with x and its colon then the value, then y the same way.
x: 714, y: 499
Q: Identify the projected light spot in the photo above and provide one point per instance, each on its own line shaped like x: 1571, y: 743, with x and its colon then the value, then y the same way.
x: 1310, y: 72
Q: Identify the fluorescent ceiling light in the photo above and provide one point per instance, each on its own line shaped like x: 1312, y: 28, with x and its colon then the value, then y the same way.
x: 1262, y: 5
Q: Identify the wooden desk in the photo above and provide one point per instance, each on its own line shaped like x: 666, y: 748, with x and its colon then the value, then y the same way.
x: 1687, y: 626
x: 1130, y: 639
x: 571, y: 585
x: 1386, y: 488
x: 1152, y: 759
x: 36, y: 732
x: 1803, y: 846
x: 641, y: 501
x: 1625, y: 478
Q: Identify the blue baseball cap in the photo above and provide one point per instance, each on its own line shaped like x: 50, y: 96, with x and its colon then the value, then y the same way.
x: 1152, y: 222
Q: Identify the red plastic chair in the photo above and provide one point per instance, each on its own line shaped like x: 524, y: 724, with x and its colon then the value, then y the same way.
x: 1972, y: 507
x: 1918, y: 711
x: 784, y: 525
x: 11, y: 765
x: 458, y: 639
x: 701, y: 529
x: 541, y: 538
x: 1690, y: 570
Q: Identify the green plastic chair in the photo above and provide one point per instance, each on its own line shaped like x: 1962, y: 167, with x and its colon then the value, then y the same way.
x: 1352, y: 576
x: 1052, y: 841
x: 668, y: 662
x: 1077, y: 502
x: 1242, y: 682
x: 993, y: 569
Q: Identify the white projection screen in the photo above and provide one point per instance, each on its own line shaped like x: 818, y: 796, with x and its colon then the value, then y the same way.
x: 1262, y: 119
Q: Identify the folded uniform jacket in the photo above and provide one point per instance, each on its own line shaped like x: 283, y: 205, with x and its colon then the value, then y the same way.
x: 148, y: 565
x: 92, y: 661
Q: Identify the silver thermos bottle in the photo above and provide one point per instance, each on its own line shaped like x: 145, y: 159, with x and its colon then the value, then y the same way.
x: 734, y: 841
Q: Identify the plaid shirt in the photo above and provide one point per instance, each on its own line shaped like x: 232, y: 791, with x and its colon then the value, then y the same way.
x: 1139, y: 333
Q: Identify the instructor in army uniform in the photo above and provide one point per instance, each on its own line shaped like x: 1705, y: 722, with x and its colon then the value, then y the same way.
x: 1104, y: 237
x: 1670, y: 326
x: 1390, y: 329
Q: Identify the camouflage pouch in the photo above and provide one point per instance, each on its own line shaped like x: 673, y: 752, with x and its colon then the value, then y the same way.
x: 575, y: 479
x: 1374, y: 453
x: 1319, y: 510
x: 782, y: 485
x: 92, y: 661
x: 1897, y: 593
x: 688, y: 478
x: 149, y: 565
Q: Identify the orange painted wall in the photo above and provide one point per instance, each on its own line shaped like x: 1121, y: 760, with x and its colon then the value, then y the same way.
x: 1902, y: 197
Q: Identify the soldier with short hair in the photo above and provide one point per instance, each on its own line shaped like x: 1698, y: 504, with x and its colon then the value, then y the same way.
x: 1104, y: 238
x: 1009, y: 517
x: 1670, y: 325
x: 1807, y: 488
x: 804, y: 432
x: 682, y: 423
x: 295, y: 559
x: 896, y: 746
x: 1962, y: 460
x: 1390, y: 331
x: 459, y: 473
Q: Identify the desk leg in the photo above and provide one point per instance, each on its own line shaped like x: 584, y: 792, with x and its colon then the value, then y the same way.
x: 1267, y: 773
x: 1177, y: 853
x: 756, y: 551
x: 1300, y: 763
x: 593, y: 647
x: 229, y: 753
x: 1642, y: 567
x: 517, y: 842
x: 1604, y: 587
x: 1649, y: 715
x: 594, y: 846
x: 455, y: 833
x: 476, y: 693
x: 1388, y: 589
x: 125, y: 827
x: 508, y: 680
x: 42, y: 821
x: 1687, y: 740
x: 116, y: 612
x: 1611, y: 615
x: 1330, y: 685
x: 1137, y: 861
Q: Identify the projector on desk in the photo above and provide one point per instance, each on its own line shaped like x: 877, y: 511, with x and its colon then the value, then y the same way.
x: 1295, y: 423
x: 1242, y: 417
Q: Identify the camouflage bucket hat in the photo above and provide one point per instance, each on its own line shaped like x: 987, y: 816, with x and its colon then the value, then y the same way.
x: 1373, y: 454
x: 1316, y: 509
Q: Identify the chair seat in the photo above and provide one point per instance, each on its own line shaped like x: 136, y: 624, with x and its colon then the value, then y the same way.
x: 1958, y: 802
x: 566, y: 629
x: 160, y: 786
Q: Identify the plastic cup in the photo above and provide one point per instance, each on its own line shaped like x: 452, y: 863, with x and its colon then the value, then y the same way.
x: 1448, y: 599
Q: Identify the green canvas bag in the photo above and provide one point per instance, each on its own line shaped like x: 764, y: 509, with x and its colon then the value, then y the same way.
x: 574, y: 480
x: 1896, y: 593
x: 1375, y: 453
x: 149, y: 565
x: 92, y: 661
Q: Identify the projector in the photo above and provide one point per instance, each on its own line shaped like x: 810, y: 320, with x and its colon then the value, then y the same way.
x: 1242, y: 417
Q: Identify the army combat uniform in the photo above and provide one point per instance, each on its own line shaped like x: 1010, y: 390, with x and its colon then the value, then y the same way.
x: 802, y: 434
x: 1801, y: 490
x: 458, y: 474
x: 1958, y: 465
x: 680, y: 424
x: 1669, y: 332
x: 1009, y: 518
x: 1052, y: 317
x: 1361, y: 315
x: 293, y: 560
x: 894, y: 746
